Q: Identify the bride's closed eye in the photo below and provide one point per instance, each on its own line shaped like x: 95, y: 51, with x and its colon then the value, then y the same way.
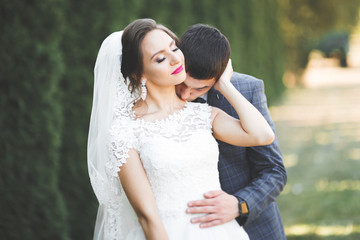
x: 159, y: 60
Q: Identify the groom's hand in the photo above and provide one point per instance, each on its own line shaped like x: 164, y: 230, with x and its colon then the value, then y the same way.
x: 219, y: 206
x: 225, y: 77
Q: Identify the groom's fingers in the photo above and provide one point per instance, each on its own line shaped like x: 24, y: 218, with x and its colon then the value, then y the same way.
x: 212, y: 194
x: 206, y: 209
x: 211, y: 224
x: 209, y: 220
x: 204, y: 219
x: 202, y: 202
x: 207, y: 200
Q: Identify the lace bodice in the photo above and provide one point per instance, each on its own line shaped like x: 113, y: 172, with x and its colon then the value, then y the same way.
x: 179, y: 155
x: 170, y: 148
x: 178, y: 127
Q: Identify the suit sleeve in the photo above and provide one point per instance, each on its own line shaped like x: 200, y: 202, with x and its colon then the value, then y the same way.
x: 268, y: 171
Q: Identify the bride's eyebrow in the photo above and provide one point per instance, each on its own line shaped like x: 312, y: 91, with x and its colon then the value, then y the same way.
x: 171, y: 43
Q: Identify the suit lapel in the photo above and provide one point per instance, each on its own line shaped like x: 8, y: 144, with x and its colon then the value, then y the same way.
x: 214, y: 98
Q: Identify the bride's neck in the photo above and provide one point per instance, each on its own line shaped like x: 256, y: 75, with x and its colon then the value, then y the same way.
x: 164, y: 99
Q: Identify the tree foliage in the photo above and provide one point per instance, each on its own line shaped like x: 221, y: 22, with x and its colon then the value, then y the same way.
x: 31, y: 121
x: 304, y: 22
x: 87, y: 22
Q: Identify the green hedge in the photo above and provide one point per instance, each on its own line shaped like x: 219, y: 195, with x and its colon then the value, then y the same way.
x: 32, y: 206
x: 87, y: 23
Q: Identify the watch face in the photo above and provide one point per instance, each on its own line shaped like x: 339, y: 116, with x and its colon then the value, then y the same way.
x: 244, y: 209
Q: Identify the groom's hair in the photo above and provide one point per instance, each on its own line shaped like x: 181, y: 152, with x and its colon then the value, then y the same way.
x: 206, y: 51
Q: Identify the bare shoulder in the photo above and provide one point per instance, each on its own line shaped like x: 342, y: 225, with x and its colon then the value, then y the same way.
x: 214, y: 112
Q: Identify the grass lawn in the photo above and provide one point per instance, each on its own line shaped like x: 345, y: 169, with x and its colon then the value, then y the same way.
x: 319, y: 133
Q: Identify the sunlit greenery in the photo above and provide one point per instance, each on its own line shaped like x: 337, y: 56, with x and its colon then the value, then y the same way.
x: 319, y: 136
x: 305, y: 22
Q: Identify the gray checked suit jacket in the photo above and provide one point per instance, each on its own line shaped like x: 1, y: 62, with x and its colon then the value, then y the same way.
x: 254, y: 174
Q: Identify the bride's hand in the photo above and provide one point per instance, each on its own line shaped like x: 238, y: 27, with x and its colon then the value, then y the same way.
x: 225, y: 77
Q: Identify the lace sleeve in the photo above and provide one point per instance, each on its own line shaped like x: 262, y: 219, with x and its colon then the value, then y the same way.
x: 207, y: 111
x: 203, y: 112
x: 121, y: 140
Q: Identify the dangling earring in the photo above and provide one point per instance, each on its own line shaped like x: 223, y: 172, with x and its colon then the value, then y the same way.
x: 143, y: 90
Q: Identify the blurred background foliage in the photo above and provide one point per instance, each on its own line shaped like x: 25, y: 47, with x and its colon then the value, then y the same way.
x: 306, y: 23
x: 48, y: 51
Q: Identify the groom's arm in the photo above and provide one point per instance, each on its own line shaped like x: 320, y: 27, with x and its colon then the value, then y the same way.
x: 269, y: 178
x: 268, y: 171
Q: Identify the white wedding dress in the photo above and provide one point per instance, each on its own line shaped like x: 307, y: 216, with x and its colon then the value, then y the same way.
x: 180, y: 157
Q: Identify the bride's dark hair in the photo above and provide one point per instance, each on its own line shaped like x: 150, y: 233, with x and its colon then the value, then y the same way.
x: 132, y: 63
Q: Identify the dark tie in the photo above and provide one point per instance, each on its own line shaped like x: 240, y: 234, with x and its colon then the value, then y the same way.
x: 199, y: 100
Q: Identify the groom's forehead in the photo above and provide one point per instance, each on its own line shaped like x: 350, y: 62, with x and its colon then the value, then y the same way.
x: 199, y: 83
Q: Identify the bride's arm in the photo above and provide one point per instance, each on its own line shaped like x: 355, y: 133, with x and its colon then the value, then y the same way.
x: 251, y: 130
x: 138, y: 190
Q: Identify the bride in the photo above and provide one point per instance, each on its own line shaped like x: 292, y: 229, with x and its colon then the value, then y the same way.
x: 149, y: 152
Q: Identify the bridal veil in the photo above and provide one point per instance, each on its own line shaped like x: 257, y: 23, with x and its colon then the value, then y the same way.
x: 112, y: 101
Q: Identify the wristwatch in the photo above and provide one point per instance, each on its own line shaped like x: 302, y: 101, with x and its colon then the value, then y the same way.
x: 244, y: 212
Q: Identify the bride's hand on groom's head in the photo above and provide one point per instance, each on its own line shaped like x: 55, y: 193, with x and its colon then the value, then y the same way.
x: 219, y: 206
x: 225, y: 77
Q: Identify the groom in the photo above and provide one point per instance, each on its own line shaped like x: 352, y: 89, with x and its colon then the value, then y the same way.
x: 252, y: 177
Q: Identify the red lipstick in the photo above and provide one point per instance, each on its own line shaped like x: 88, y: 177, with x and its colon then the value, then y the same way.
x: 179, y: 69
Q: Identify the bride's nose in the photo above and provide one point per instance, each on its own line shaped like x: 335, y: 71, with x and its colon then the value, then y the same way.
x: 175, y: 58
